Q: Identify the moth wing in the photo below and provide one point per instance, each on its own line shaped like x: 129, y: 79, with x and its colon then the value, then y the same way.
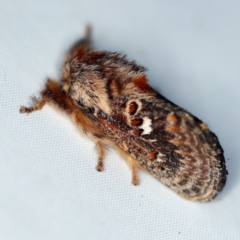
x: 170, y: 143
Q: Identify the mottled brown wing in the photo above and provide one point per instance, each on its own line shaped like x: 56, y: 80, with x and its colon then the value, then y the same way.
x: 170, y: 143
x: 167, y: 141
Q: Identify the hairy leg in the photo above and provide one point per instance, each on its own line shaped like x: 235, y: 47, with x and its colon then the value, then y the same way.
x: 36, y: 105
x: 133, y: 164
x: 135, y: 179
x: 101, y: 151
x: 52, y: 95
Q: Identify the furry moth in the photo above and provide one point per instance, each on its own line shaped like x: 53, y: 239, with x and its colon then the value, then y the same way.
x: 110, y: 100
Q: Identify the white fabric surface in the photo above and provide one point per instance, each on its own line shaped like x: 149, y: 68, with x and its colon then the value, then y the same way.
x: 49, y: 188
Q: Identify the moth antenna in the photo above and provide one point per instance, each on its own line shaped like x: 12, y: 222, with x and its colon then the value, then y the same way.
x: 88, y: 35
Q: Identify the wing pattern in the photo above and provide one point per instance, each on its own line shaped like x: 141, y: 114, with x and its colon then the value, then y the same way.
x: 173, y: 145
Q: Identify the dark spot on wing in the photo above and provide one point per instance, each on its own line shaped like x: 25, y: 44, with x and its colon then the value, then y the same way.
x: 133, y: 107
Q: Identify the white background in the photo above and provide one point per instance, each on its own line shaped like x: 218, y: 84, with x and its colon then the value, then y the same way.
x: 49, y: 188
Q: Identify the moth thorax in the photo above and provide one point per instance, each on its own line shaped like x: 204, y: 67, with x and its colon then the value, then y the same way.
x: 91, y: 94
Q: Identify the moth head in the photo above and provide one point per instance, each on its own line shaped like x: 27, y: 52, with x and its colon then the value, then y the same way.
x: 97, y: 77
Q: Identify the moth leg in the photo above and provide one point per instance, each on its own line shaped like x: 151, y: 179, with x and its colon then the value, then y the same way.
x: 51, y: 94
x: 102, y: 151
x: 135, y: 179
x: 133, y: 164
x: 36, y: 105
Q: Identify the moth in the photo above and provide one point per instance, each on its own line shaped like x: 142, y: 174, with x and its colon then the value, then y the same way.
x: 110, y: 100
